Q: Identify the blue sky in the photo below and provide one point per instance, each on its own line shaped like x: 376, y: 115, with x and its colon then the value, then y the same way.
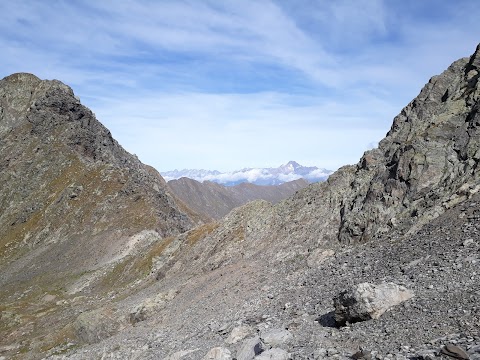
x: 232, y: 84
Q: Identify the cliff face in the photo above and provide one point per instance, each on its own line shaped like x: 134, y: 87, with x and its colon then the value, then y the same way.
x: 426, y: 163
x: 70, y: 194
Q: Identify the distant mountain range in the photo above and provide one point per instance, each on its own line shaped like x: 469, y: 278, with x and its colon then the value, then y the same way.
x: 258, y: 176
x: 213, y: 201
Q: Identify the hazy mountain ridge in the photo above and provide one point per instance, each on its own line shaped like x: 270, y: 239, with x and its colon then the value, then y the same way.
x: 261, y: 280
x: 258, y: 176
x: 215, y: 200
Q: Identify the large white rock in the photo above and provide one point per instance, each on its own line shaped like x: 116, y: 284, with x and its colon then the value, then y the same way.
x: 239, y: 333
x: 368, y: 301
x: 276, y: 337
x: 218, y: 353
x: 250, y: 348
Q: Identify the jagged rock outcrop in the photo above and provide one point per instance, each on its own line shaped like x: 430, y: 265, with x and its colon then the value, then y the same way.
x: 426, y: 163
x: 215, y: 200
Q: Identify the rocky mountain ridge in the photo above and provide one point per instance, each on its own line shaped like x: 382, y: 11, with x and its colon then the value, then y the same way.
x: 258, y: 176
x: 260, y: 283
x: 72, y: 199
x: 216, y: 200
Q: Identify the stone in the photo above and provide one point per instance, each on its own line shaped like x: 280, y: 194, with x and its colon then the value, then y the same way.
x: 274, y: 354
x: 93, y: 326
x: 218, y: 353
x: 238, y: 333
x: 362, y: 354
x: 332, y: 351
x: 250, y: 348
x: 475, y: 349
x: 319, y: 353
x: 276, y: 337
x: 150, y: 306
x: 426, y: 354
x: 455, y: 351
x: 367, y: 301
x: 49, y: 298
x: 468, y: 242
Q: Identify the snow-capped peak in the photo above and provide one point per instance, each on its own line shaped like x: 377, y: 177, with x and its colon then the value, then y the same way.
x: 259, y: 176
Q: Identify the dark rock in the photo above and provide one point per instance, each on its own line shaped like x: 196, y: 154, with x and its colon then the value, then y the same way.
x: 367, y: 301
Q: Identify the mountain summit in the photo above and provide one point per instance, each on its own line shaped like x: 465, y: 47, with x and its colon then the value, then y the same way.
x: 258, y: 176
x: 71, y: 196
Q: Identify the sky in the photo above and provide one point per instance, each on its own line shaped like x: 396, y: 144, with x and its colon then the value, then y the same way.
x: 231, y: 84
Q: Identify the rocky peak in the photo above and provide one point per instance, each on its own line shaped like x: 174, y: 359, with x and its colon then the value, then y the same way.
x: 18, y: 92
x: 474, y: 62
x: 20, y: 82
x: 292, y: 165
x: 427, y: 162
x: 65, y: 179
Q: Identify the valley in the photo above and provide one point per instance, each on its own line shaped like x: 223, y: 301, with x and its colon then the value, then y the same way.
x: 101, y: 258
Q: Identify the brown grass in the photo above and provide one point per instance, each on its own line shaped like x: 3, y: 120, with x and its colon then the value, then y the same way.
x: 201, y: 232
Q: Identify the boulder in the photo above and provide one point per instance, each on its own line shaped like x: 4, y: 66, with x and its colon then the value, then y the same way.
x: 93, y: 326
x: 276, y: 337
x: 455, y: 351
x: 218, y: 353
x: 238, y: 333
x: 250, y: 348
x: 368, y: 301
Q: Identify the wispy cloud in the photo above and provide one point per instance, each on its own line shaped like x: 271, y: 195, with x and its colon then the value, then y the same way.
x: 259, y: 176
x: 232, y: 130
x: 240, y: 83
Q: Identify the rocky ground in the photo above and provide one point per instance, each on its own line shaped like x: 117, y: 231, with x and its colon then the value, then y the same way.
x: 290, y: 306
